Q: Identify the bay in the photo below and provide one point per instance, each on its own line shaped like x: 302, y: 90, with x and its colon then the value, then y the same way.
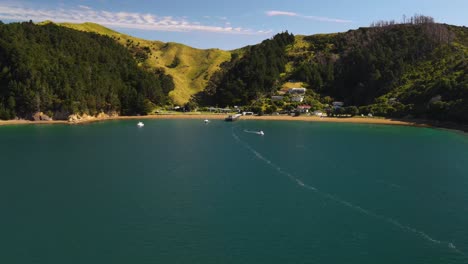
x: 181, y: 191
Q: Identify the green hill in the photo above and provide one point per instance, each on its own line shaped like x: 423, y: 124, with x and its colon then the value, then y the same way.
x: 391, y: 70
x: 189, y: 67
x: 60, y: 71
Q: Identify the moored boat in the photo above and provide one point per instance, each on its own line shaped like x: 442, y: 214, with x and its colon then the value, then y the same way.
x: 233, y: 117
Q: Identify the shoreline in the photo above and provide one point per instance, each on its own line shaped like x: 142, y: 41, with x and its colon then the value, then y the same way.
x: 355, y: 120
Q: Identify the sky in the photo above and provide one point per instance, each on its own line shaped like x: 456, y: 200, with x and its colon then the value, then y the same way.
x: 229, y: 24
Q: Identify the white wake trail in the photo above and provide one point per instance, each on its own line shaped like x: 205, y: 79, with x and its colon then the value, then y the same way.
x: 344, y: 202
x: 253, y: 132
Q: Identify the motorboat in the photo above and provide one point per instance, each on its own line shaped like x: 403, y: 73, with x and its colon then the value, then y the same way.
x: 140, y: 124
x: 232, y: 118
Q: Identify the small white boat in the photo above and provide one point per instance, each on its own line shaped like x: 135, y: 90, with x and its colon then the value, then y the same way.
x: 261, y: 133
x: 206, y: 121
x: 140, y: 124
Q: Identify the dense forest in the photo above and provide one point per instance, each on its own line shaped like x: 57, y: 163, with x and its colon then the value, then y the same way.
x: 413, y: 68
x: 60, y: 71
x: 246, y: 77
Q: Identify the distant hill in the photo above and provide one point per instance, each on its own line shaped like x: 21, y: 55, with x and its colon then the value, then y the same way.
x: 190, y: 68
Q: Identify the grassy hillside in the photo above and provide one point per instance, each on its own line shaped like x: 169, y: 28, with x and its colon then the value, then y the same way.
x: 189, y: 67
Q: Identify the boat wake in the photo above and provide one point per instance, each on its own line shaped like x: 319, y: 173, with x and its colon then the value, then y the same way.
x: 345, y: 203
x: 254, y: 132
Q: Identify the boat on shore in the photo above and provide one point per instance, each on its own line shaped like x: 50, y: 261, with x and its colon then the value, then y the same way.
x: 232, y: 118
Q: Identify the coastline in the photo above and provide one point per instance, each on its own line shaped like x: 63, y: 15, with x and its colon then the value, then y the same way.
x: 357, y: 120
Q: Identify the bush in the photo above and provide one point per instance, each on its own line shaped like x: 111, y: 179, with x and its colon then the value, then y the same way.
x: 271, y: 109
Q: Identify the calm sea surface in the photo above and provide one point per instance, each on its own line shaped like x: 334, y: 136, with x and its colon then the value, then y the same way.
x: 180, y: 191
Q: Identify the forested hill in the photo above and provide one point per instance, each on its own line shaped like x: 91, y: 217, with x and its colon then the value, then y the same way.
x: 61, y: 71
x: 247, y: 76
x: 417, y: 68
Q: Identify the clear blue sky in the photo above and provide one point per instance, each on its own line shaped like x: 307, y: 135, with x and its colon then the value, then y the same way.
x: 229, y: 24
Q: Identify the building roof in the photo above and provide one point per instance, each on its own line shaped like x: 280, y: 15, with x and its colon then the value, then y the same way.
x: 304, y: 106
x: 298, y: 90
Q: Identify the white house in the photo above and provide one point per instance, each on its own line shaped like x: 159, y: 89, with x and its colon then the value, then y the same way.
x: 318, y: 113
x: 338, y: 104
x: 297, y: 91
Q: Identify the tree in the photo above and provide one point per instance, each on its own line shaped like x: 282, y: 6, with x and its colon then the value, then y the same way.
x: 352, y: 110
x: 191, y: 105
x: 148, y: 106
x: 271, y: 109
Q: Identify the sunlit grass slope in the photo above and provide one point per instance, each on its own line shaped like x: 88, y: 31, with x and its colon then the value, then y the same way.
x: 190, y: 68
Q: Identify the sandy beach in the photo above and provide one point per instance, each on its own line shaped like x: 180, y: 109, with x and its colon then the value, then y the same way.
x: 362, y: 120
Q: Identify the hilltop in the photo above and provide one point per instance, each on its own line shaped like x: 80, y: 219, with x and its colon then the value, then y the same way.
x: 189, y: 67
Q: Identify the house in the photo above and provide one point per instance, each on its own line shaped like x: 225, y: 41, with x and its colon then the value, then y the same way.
x: 338, y: 104
x: 301, y: 91
x: 303, y: 108
x: 220, y: 110
x: 297, y: 98
x: 276, y: 98
x: 317, y: 113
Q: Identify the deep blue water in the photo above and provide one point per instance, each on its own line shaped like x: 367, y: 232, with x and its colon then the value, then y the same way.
x: 180, y: 191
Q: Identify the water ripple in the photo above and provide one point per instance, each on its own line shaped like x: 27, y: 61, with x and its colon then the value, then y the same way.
x: 345, y: 203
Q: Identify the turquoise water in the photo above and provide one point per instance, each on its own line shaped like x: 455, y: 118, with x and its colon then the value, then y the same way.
x: 180, y: 191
